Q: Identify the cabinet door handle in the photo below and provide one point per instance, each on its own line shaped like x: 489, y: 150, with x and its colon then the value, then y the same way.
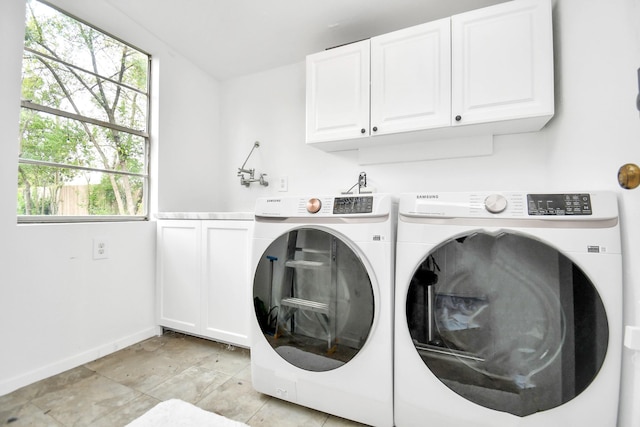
x: 363, y: 130
x: 458, y: 118
x: 375, y: 128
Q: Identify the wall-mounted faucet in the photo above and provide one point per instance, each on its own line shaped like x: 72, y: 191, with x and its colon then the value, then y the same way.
x: 241, y: 171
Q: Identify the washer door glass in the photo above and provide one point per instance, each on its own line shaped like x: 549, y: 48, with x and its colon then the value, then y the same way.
x: 507, y: 322
x: 313, y: 299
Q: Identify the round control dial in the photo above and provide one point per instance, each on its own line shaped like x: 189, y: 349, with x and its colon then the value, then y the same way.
x: 313, y: 205
x: 495, y: 203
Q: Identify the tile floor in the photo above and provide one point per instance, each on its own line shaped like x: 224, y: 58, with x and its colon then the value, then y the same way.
x: 116, y: 389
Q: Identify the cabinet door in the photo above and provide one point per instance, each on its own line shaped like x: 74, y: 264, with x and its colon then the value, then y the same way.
x: 338, y: 93
x: 411, y: 79
x: 502, y: 62
x: 178, y: 279
x: 227, y: 280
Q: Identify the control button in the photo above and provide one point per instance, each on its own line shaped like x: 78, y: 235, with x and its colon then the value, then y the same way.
x: 495, y: 203
x: 313, y: 205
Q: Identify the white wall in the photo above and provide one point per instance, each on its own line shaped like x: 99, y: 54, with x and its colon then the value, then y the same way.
x: 596, y: 130
x: 62, y: 307
x: 59, y: 307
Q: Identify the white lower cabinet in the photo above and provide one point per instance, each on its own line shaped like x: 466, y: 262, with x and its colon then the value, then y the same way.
x: 204, y: 280
x: 226, y: 280
x: 178, y: 274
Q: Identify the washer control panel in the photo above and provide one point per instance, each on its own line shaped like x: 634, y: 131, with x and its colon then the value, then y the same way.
x: 559, y: 204
x: 562, y: 206
x: 352, y: 205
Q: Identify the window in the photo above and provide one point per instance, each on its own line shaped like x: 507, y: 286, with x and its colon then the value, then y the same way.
x: 84, y: 123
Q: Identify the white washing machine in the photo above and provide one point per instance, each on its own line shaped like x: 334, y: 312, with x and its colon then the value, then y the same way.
x: 323, y: 300
x: 508, y: 310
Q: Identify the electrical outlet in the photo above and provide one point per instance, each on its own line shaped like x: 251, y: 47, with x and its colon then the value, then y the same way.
x: 100, y: 248
x: 283, y: 183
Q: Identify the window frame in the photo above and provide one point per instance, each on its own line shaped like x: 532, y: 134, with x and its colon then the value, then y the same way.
x: 144, y: 176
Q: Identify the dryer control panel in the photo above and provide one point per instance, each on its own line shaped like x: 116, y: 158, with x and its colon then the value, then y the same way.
x: 559, y: 204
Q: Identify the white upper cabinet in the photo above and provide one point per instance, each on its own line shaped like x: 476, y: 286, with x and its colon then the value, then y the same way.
x: 338, y: 93
x: 411, y: 79
x: 502, y: 63
x: 479, y: 73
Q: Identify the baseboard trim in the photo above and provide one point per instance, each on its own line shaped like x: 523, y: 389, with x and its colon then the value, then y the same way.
x: 12, y: 384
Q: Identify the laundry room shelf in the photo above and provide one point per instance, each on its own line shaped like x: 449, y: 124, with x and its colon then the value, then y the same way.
x: 304, y: 304
x: 313, y: 251
x: 306, y: 264
x: 426, y: 348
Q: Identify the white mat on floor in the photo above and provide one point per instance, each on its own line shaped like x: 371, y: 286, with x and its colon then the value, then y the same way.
x: 178, y: 413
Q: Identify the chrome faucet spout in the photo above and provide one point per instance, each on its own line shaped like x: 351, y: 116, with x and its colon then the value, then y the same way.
x: 255, y: 145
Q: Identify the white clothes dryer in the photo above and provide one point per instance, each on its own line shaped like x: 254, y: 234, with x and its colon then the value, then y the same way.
x: 508, y: 310
x: 323, y: 299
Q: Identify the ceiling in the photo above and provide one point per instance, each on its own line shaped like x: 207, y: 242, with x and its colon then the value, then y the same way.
x: 231, y: 38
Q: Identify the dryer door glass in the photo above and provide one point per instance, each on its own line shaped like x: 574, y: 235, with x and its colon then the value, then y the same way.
x: 507, y: 322
x: 313, y: 299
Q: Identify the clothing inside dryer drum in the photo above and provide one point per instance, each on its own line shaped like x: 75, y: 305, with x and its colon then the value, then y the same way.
x: 507, y: 322
x: 313, y: 299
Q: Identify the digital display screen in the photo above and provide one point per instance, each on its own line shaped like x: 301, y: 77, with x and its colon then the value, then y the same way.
x: 559, y: 204
x: 353, y: 205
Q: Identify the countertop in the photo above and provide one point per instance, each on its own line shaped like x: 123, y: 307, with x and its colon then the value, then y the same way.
x: 241, y: 216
